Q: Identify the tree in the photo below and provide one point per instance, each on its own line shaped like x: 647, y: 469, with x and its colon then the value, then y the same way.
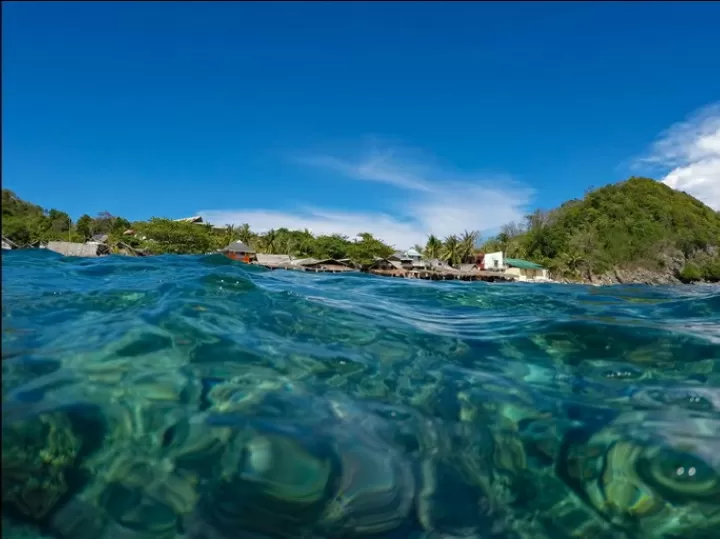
x: 268, y: 241
x: 332, y: 246
x: 466, y: 248
x: 244, y: 234
x: 84, y: 226
x: 103, y: 223
x: 176, y: 237
x: 451, y: 250
x: 433, y: 248
x: 59, y: 222
x: 366, y: 249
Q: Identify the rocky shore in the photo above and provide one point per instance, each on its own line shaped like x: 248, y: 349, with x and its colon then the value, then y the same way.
x: 670, y: 267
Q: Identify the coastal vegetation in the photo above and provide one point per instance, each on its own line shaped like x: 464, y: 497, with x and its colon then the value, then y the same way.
x: 636, y: 224
x: 26, y: 224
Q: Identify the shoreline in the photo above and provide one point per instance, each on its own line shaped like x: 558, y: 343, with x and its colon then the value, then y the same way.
x: 615, y: 277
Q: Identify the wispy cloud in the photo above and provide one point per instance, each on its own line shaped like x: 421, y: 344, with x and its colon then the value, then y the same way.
x: 431, y: 200
x: 688, y: 154
x: 376, y: 167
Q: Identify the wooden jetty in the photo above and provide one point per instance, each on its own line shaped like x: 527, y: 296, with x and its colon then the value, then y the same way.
x: 444, y: 275
x: 335, y: 266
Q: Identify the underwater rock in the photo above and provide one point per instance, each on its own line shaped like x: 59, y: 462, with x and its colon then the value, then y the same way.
x: 134, y: 514
x: 79, y: 520
x: 655, y: 475
x: 448, y: 504
x: 274, y: 485
x: 327, y: 476
x: 38, y: 453
x: 375, y: 490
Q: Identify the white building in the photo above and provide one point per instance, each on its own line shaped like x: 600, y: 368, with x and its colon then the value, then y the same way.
x: 494, y: 261
x: 523, y: 270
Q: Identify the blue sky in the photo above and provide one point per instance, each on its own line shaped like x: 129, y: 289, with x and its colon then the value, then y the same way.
x: 401, y: 119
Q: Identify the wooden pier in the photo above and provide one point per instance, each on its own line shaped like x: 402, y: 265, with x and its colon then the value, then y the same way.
x: 311, y: 269
x: 430, y: 275
x: 439, y: 275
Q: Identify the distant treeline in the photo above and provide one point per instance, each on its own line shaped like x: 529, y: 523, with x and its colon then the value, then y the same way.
x: 26, y: 224
x: 636, y: 223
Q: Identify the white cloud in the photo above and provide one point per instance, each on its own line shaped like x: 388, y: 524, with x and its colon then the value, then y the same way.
x: 377, y: 167
x: 434, y: 201
x: 689, y: 152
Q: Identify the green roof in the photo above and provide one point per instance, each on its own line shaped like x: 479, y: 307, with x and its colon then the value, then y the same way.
x: 523, y: 264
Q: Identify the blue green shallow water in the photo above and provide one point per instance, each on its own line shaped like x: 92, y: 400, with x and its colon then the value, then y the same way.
x: 198, y: 398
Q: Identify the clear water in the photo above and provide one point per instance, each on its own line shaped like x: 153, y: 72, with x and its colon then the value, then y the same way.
x: 198, y: 398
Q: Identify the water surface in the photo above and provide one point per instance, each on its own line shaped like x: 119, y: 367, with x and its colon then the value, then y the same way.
x: 199, y: 398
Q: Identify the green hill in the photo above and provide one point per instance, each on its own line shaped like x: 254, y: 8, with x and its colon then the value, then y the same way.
x: 639, y: 224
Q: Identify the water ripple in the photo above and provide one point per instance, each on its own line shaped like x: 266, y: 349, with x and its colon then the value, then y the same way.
x: 196, y: 397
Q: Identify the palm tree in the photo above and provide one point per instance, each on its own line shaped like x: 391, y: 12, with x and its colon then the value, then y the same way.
x: 572, y: 261
x: 229, y: 234
x: 269, y: 241
x: 244, y: 233
x: 288, y: 244
x: 515, y: 249
x: 433, y: 247
x: 467, y: 245
x: 451, y: 250
x: 305, y: 242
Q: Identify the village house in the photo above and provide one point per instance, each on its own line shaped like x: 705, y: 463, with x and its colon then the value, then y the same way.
x: 522, y: 270
x: 401, y: 259
x: 410, y: 259
x: 525, y: 270
x: 238, y: 250
x: 492, y: 261
x: 413, y: 254
x: 328, y: 265
x: 384, y: 264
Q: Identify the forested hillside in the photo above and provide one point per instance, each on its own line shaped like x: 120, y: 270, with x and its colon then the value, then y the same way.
x: 636, y: 224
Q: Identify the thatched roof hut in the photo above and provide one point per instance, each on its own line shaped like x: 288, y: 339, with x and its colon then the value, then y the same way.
x: 239, y: 247
x: 273, y: 260
x: 326, y: 265
x: 385, y: 264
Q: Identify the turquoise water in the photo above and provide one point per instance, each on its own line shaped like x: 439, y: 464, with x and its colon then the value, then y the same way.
x: 199, y: 398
